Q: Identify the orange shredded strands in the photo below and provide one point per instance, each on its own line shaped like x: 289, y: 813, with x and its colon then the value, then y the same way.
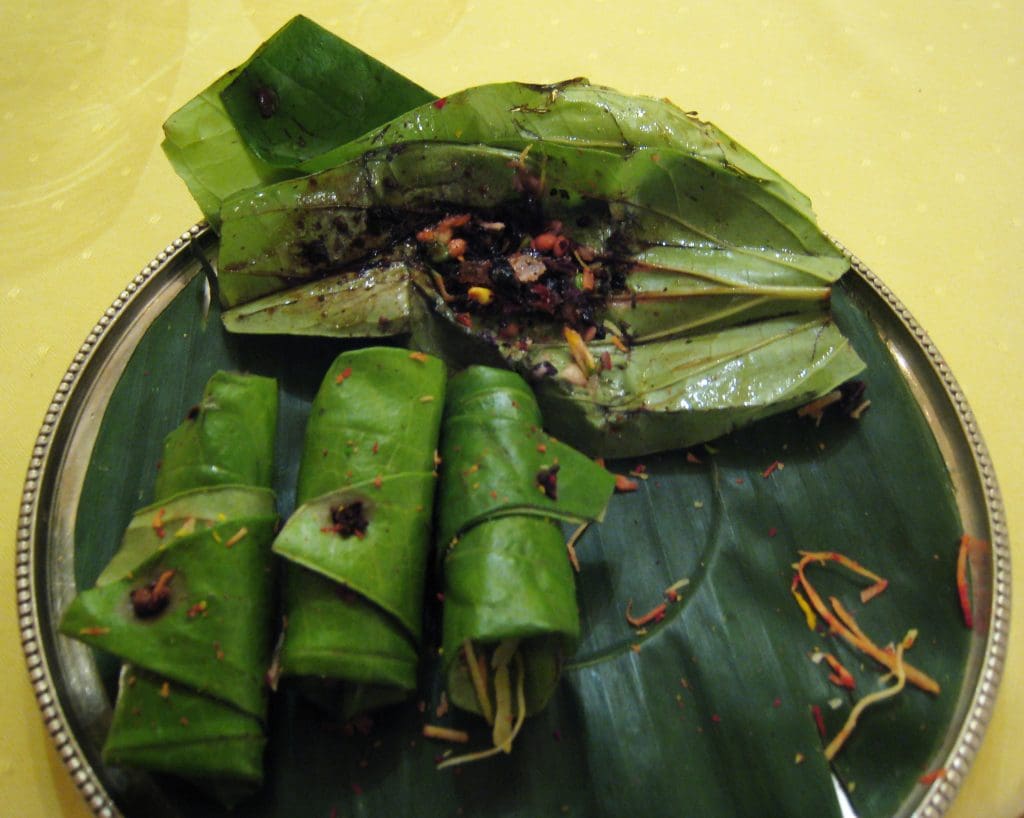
x: 624, y: 484
x: 344, y: 375
x: 773, y: 467
x: 236, y: 537
x: 933, y: 776
x: 570, y: 546
x: 963, y: 587
x: 445, y: 734
x: 840, y: 676
x: 158, y: 522
x: 94, y: 631
x: 620, y: 345
x: 655, y: 614
x: 870, y: 593
x: 419, y: 357
x: 872, y: 698
x: 840, y: 621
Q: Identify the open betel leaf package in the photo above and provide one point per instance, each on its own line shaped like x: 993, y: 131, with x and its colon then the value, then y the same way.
x: 582, y: 474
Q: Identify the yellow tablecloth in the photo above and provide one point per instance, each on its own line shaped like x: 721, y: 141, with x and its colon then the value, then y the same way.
x: 903, y: 122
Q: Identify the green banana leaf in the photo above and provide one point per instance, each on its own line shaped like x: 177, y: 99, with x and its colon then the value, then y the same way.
x: 303, y: 91
x: 193, y: 683
x: 506, y: 571
x: 708, y: 717
x: 353, y: 596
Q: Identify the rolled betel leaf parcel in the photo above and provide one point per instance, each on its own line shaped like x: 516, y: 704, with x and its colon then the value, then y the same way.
x: 186, y: 601
x: 510, y: 614
x: 357, y: 546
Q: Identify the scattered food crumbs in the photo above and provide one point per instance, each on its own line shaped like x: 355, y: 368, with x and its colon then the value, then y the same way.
x: 798, y: 758
x: 716, y: 718
x: 777, y: 702
x: 378, y: 481
x: 165, y: 690
x: 356, y: 788
x: 933, y: 776
x: 772, y: 531
x: 698, y: 504
x: 835, y: 703
x: 635, y: 647
x: 418, y: 356
x: 184, y: 721
x: 740, y: 481
x: 427, y: 399
x: 541, y: 448
x: 442, y: 706
x: 693, y: 459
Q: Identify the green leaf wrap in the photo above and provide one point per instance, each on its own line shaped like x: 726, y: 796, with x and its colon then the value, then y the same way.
x: 303, y: 91
x: 506, y: 571
x: 353, y: 601
x: 193, y: 683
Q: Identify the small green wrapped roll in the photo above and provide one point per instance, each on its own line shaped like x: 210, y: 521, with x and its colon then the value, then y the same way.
x: 187, y: 599
x: 510, y: 614
x: 358, y: 543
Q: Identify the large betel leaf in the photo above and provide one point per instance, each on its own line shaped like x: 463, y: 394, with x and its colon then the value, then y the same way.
x: 359, y: 540
x: 302, y: 91
x: 633, y: 208
x: 306, y: 91
x: 504, y: 483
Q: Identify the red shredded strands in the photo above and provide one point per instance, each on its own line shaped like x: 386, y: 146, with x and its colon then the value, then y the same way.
x: 94, y: 631
x: 840, y: 621
x: 344, y: 375
x: 655, y: 614
x: 963, y: 588
x: 440, y: 102
x: 933, y: 776
x: 772, y: 468
x: 840, y: 676
x: 819, y: 720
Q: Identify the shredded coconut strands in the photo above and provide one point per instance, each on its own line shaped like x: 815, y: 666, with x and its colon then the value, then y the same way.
x: 872, y: 698
x: 520, y: 717
x: 476, y: 673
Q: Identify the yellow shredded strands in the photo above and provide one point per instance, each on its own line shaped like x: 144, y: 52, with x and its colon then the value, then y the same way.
x: 187, y: 527
x: 501, y: 734
x: 476, y: 674
x: 580, y: 354
x: 840, y: 738
x: 445, y: 733
x: 812, y: 620
x: 676, y: 587
x: 503, y: 653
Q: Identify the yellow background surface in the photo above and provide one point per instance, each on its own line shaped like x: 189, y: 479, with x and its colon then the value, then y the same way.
x: 904, y: 122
